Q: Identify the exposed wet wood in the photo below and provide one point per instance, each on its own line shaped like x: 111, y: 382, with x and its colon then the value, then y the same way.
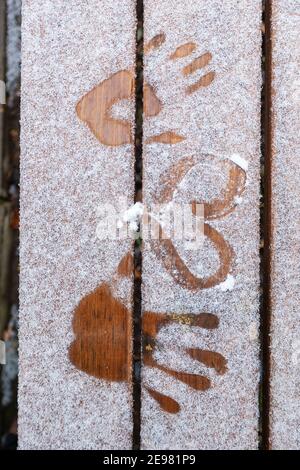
x: 155, y: 42
x: 166, y: 138
x: 183, y: 50
x: 209, y: 358
x: 198, y: 63
x: 95, y: 109
x: 203, y: 82
x: 102, y: 327
x: 152, y: 104
x: 166, y: 252
x: 126, y: 266
x: 166, y: 403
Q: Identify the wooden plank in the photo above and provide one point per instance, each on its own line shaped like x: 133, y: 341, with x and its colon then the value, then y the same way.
x: 200, y: 372
x: 77, y: 155
x: 285, y: 231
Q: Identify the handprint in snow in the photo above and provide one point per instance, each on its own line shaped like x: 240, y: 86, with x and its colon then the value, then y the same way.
x: 95, y: 108
x: 102, y: 346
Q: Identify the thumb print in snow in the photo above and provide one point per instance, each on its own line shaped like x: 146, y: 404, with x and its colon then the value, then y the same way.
x: 102, y: 346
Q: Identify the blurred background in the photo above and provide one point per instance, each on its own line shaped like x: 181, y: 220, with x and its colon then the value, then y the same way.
x: 10, y: 55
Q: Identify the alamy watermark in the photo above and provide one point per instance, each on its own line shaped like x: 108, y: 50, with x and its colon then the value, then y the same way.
x: 160, y: 221
x: 2, y: 92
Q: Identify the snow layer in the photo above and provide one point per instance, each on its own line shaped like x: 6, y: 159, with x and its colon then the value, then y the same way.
x: 134, y: 215
x: 238, y: 160
x: 220, y: 120
x: 66, y: 174
x: 285, y: 323
x: 228, y: 284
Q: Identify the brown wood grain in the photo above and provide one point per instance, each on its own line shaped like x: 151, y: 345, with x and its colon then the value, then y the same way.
x: 166, y: 138
x: 103, y: 329
x: 152, y: 104
x: 166, y: 403
x: 95, y: 109
x: 203, y: 82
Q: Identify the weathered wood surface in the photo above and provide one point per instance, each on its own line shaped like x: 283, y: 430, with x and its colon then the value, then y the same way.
x: 285, y: 236
x: 200, y: 372
x: 75, y: 318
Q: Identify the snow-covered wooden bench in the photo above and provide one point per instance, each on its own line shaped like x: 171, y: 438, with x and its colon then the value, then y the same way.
x: 195, y: 384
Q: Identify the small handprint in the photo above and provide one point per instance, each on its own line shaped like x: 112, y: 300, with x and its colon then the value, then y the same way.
x: 153, y: 105
x: 183, y: 51
x: 152, y: 323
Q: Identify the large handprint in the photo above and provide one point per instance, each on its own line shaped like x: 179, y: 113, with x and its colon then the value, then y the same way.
x: 95, y: 108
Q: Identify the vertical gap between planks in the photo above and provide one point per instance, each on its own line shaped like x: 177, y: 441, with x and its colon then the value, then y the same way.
x: 266, y: 224
x: 137, y: 302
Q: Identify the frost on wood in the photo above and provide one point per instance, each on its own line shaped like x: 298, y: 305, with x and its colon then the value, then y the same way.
x: 69, y: 48
x: 208, y: 96
x: 285, y: 266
